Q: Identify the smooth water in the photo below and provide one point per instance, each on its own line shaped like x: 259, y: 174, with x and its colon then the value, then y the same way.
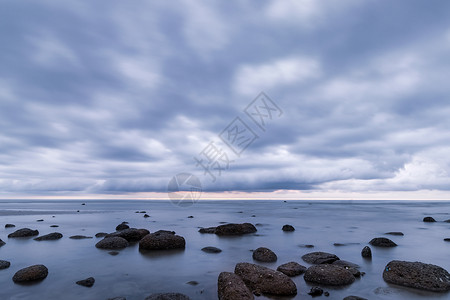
x: 134, y: 275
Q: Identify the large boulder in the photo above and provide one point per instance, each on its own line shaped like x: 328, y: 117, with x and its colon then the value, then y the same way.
x: 132, y: 235
x: 112, y: 243
x: 235, y: 229
x: 417, y: 275
x: 318, y: 257
x: 24, y: 232
x: 162, y: 240
x: 326, y: 274
x: 29, y: 274
x: 264, y: 280
x: 264, y: 254
x: 291, y: 269
x: 49, y: 237
x: 382, y: 242
x: 167, y: 296
x: 231, y: 287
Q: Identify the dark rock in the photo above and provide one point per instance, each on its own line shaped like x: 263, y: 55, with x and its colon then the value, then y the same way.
x: 235, y: 229
x: 398, y: 233
x: 354, y: 298
x: 447, y: 221
x: 162, y: 240
x: 190, y: 217
x: 4, y: 264
x: 317, y: 258
x: 40, y: 220
x: 291, y: 269
x: 32, y: 273
x: 231, y: 287
x: 24, y: 232
x: 54, y: 226
x: 264, y: 254
x: 113, y: 253
x: 315, y: 291
x: 167, y: 296
x: 80, y: 237
x: 366, y: 252
x: 2, y: 243
x: 83, y: 203
x: 306, y: 246
x: 382, y: 242
x: 146, y: 216
x: 10, y: 225
x: 329, y: 275
x: 192, y: 282
x: 132, y: 235
x: 265, y: 280
x: 122, y: 226
x: 49, y: 237
x: 207, y: 230
x: 210, y: 249
x: 326, y: 294
x: 447, y: 239
x: 88, y: 282
x: 101, y: 234
x: 288, y: 228
x: 429, y: 219
x: 417, y: 275
x: 112, y: 243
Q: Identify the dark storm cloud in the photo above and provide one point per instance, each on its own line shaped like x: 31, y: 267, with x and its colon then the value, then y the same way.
x: 118, y: 98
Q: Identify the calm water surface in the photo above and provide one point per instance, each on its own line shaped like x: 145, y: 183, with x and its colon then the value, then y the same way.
x: 135, y: 275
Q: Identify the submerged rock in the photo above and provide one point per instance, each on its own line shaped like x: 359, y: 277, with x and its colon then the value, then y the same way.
x: 291, y: 269
x: 315, y: 291
x: 235, y: 229
x: 88, y: 282
x: 49, y: 237
x: 4, y: 264
x: 54, y: 226
x: 417, y: 275
x: 265, y: 280
x: 132, y: 235
x: 382, y: 242
x: 79, y: 237
x: 162, y: 240
x: 29, y: 274
x: 101, y: 234
x: 264, y: 254
x: 24, y: 232
x: 2, y: 243
x: 207, y: 230
x: 329, y: 275
x: 10, y: 225
x: 354, y: 298
x: 366, y: 252
x: 146, y: 216
x: 112, y: 243
x: 210, y: 249
x: 318, y: 257
x: 398, y: 233
x: 231, y: 287
x: 429, y: 219
x: 122, y: 226
x: 288, y: 228
x: 167, y: 296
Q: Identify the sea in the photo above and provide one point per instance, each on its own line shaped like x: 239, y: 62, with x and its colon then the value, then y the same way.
x: 136, y: 275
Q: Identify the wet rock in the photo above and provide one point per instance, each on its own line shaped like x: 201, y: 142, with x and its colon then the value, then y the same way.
x: 264, y: 254
x: 83, y: 203
x: 40, y: 220
x: 29, y: 274
x: 49, y: 237
x: 317, y: 258
x: 345, y: 264
x: 88, y: 282
x: 265, y: 280
x: 4, y: 264
x: 190, y: 217
x: 79, y: 237
x: 398, y: 233
x: 366, y: 252
x: 344, y: 244
x: 207, y: 230
x: 24, y: 232
x: 306, y: 246
x: 382, y: 242
x: 113, y: 253
x: 2, y: 243
x: 54, y: 226
x: 231, y: 287
x: 326, y: 294
x: 354, y: 298
x: 429, y: 219
x: 329, y: 275
x: 235, y: 229
x: 210, y: 249
x: 447, y: 221
x: 162, y: 240
x: 417, y: 275
x: 447, y: 239
x: 112, y: 243
x: 101, y: 234
x: 10, y: 225
x: 291, y: 269
x: 132, y: 235
x: 315, y: 291
x: 192, y: 282
x: 122, y: 226
x: 167, y: 296
x: 146, y: 216
x: 288, y: 228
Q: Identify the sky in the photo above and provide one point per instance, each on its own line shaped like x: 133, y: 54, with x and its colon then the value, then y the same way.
x: 112, y: 99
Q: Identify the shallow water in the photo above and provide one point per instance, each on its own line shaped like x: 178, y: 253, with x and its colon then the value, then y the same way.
x: 135, y: 275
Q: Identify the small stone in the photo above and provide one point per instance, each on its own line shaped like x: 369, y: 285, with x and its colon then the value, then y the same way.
x: 288, y: 228
x: 192, y: 282
x: 54, y: 226
x: 207, y: 230
x: 429, y: 219
x: 315, y: 291
x: 2, y: 243
x: 80, y: 237
x: 49, y: 237
x: 447, y: 239
x: 122, y: 227
x: 10, y: 225
x: 24, y: 232
x: 146, y: 216
x: 398, y: 233
x: 264, y: 254
x: 88, y: 282
x: 235, y: 229
x: 83, y: 203
x: 40, y: 220
x: 4, y: 264
x: 366, y: 252
x: 190, y: 217
x: 29, y: 274
x: 112, y: 243
x: 306, y: 246
x: 210, y: 249
x: 292, y: 269
x: 113, y: 253
x: 382, y: 242
x: 326, y: 294
x: 354, y: 298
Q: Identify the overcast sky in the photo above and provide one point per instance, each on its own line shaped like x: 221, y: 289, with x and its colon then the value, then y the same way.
x: 116, y: 97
